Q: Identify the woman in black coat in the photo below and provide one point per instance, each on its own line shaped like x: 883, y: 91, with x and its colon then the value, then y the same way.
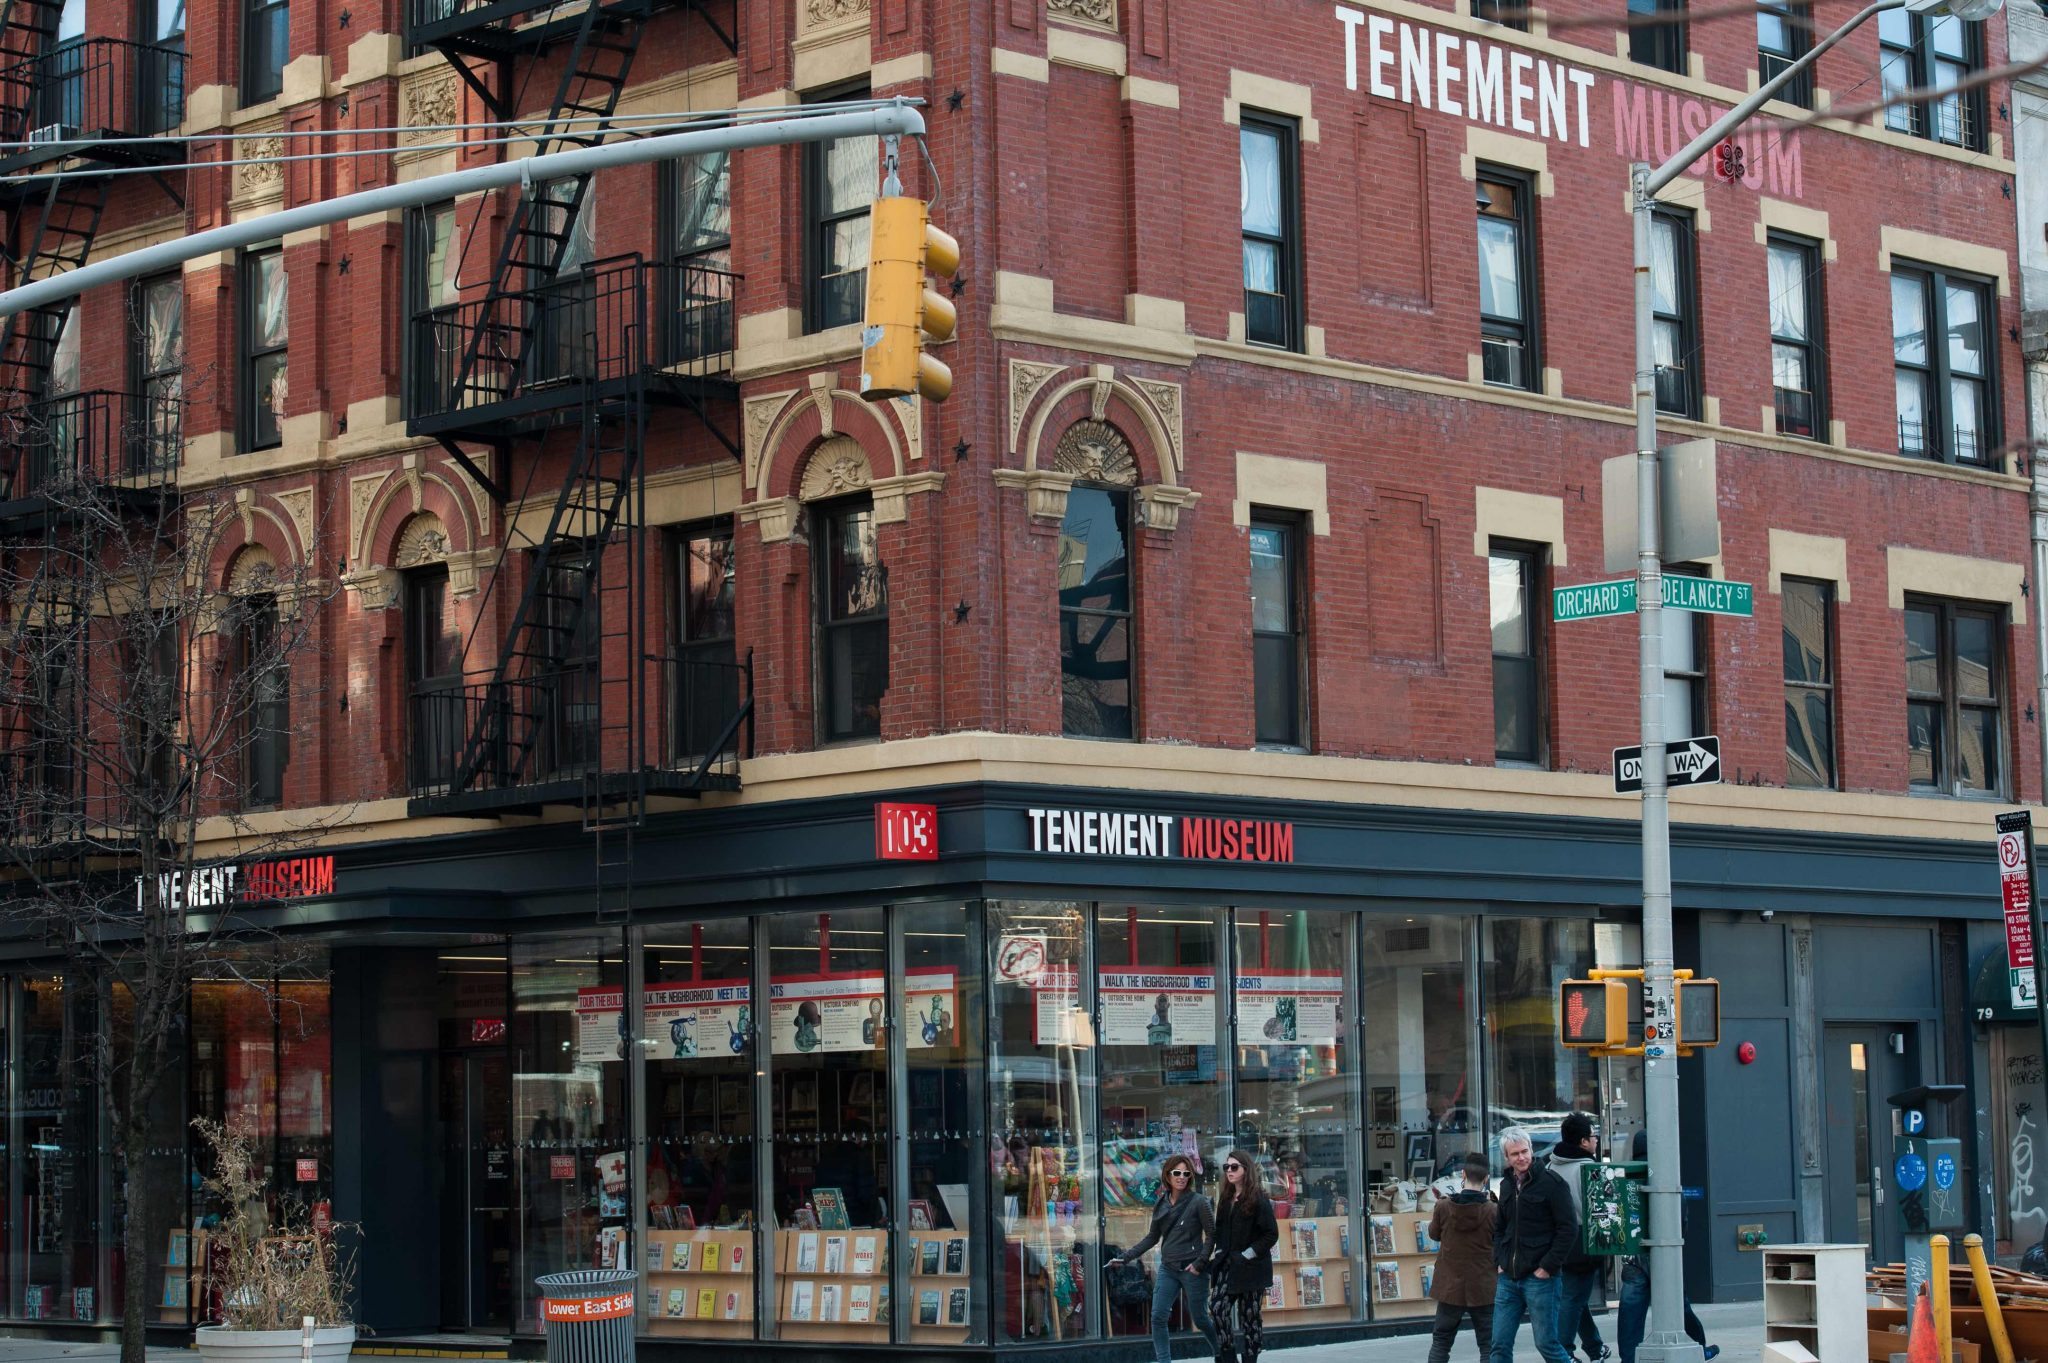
x: 1241, y: 1262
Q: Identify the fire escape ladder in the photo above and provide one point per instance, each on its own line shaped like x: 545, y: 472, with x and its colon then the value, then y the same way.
x: 544, y: 217
x: 27, y: 29
x: 65, y: 228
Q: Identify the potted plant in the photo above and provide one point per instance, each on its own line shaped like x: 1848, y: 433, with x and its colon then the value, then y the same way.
x: 272, y: 1268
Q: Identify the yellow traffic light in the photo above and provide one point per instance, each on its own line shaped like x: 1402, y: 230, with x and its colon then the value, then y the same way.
x: 902, y: 311
x: 1699, y: 1013
x: 1592, y: 1014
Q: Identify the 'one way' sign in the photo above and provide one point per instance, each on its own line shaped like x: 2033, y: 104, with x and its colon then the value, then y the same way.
x: 1691, y: 762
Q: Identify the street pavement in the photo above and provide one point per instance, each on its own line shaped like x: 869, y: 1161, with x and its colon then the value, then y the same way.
x: 1736, y: 1326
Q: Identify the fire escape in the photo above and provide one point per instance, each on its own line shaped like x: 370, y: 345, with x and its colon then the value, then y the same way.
x: 85, y: 106
x: 560, y: 363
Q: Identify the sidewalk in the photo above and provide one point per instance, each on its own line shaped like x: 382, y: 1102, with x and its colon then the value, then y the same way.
x: 1736, y: 1326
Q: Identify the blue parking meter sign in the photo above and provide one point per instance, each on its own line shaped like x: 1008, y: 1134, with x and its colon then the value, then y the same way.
x: 1911, y: 1172
x: 1944, y: 1171
x: 1915, y: 1121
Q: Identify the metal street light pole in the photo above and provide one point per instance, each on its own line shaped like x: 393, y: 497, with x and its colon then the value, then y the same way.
x: 1665, y: 1341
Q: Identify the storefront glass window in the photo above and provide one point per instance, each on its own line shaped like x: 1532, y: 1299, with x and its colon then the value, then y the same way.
x: 828, y: 1027
x: 55, y: 1274
x: 1162, y: 1079
x: 697, y: 1032
x: 162, y: 1186
x: 568, y: 1030
x: 305, y: 1098
x: 946, y: 1243
x: 1421, y: 1095
x: 481, y: 1179
x: 1042, y: 1118
x: 1532, y: 1082
x: 1296, y: 1099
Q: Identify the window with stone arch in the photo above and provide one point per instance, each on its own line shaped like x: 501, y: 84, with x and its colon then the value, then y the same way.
x: 1098, y: 669
x: 262, y: 689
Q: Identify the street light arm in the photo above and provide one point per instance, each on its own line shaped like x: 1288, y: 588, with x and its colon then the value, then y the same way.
x: 1737, y: 116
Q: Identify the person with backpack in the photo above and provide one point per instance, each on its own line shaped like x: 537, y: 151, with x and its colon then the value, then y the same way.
x: 1241, y: 1261
x: 1535, y: 1229
x: 1462, y: 1225
x: 1571, y: 1155
x: 1182, y: 1223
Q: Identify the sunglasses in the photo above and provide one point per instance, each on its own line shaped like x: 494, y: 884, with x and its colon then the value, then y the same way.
x: 1179, y: 1173
x: 1234, y: 1165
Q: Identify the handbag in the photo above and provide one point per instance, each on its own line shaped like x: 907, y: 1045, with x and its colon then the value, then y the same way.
x: 1127, y: 1284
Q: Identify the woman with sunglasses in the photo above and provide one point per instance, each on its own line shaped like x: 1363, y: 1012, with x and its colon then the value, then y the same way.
x: 1241, y: 1264
x: 1182, y: 1220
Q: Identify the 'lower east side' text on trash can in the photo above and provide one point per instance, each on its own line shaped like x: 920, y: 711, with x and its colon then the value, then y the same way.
x: 589, y: 1315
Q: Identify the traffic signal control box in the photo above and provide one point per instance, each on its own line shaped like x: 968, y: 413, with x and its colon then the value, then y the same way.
x: 902, y: 309
x: 1592, y: 1014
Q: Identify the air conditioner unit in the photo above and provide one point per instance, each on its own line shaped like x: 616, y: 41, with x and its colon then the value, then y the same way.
x: 49, y: 132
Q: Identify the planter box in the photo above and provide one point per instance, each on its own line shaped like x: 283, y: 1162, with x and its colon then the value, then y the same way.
x: 331, y: 1344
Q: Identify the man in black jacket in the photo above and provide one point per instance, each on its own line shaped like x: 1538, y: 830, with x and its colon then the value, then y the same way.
x: 1536, y: 1228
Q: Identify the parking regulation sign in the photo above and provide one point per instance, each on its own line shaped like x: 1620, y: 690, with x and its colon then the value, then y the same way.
x: 2015, y: 886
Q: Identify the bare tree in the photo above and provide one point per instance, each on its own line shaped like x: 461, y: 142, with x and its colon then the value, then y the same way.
x: 144, y: 704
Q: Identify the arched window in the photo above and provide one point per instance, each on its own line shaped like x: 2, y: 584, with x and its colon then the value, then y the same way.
x: 1097, y: 624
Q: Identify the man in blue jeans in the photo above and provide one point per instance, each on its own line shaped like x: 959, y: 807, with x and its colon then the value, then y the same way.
x: 1535, y: 1229
x: 1633, y: 1315
x: 1581, y: 1277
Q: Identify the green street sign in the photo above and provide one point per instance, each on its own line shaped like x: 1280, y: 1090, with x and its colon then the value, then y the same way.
x: 1709, y: 595
x: 1591, y: 600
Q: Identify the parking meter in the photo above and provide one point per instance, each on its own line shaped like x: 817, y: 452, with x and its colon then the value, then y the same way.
x: 1926, y: 1175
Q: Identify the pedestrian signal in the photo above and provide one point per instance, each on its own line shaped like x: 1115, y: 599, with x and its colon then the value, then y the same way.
x: 1592, y: 1014
x: 1699, y: 1013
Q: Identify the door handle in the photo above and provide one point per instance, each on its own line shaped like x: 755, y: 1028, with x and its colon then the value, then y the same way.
x: 1877, y: 1183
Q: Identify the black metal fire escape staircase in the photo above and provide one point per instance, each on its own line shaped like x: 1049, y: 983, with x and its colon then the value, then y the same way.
x: 559, y: 717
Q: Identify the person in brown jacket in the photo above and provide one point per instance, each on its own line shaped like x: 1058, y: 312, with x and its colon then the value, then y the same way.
x: 1462, y: 1226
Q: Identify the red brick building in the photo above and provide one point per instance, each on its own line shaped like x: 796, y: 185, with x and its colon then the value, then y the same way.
x: 1293, y: 338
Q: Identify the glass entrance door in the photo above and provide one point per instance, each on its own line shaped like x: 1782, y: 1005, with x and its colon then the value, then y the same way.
x: 481, y: 1194
x: 1861, y: 1070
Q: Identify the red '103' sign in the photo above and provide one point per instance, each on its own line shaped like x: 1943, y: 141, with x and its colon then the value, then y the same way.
x: 907, y: 832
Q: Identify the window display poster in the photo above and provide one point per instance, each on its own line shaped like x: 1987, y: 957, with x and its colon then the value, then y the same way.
x: 809, y: 1013
x: 682, y: 1022
x: 1158, y: 1008
x: 1058, y: 1020
x: 1297, y: 1009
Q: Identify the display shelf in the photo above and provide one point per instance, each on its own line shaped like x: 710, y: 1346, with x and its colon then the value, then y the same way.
x: 1321, y: 1243
x: 1813, y: 1295
x: 718, y: 1260
x: 184, y: 1278
x: 1402, y: 1259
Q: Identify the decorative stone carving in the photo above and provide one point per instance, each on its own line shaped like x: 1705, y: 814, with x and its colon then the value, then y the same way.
x: 1095, y: 13
x: 838, y: 467
x: 258, y: 169
x: 362, y: 496
x: 1026, y: 380
x: 892, y: 495
x: 252, y: 572
x: 375, y: 589
x: 298, y: 504
x: 777, y: 518
x: 423, y: 540
x: 424, y: 104
x: 1096, y: 452
x: 1159, y: 506
x: 1045, y: 491
x: 760, y: 416
x: 1165, y: 399
x: 910, y: 415
x: 465, y: 570
x: 827, y: 13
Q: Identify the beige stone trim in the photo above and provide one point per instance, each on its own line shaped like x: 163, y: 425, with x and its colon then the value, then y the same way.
x: 305, y: 80
x: 1925, y: 572
x: 1506, y: 149
x: 902, y: 70
x: 1821, y: 557
x: 1023, y: 311
x: 1966, y: 256
x: 774, y: 342
x: 1275, y: 96
x: 1139, y: 90
x: 379, y: 417
x: 1276, y: 480
x: 776, y: 518
x: 1684, y: 192
x: 892, y: 495
x: 771, y: 99
x: 1527, y: 516
x: 1006, y: 61
x: 828, y: 58
x: 133, y: 238
x: 1776, y: 215
x: 1156, y: 314
x: 373, y: 57
x: 1086, y: 51
x: 208, y: 106
x: 307, y: 236
x: 390, y: 217
x: 419, y: 165
x: 714, y: 85
x: 1553, y: 381
x: 1710, y: 410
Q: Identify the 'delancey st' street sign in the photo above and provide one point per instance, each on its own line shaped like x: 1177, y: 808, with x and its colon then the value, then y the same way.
x: 1687, y: 762
x: 1708, y: 595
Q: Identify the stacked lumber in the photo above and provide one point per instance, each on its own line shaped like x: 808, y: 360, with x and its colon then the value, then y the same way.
x: 2013, y: 1287
x: 2022, y: 1300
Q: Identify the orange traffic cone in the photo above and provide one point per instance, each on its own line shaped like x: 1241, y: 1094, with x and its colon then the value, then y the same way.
x: 1920, y: 1343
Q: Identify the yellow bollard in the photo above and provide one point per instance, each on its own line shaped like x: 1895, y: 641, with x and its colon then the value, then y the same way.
x: 1987, y: 1298
x: 1944, y: 1339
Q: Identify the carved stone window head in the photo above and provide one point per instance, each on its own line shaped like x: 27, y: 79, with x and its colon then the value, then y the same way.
x: 424, y: 540
x: 1096, y: 452
x: 836, y: 468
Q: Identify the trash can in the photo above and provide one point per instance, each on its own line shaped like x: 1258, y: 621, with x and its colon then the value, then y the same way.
x: 589, y: 1314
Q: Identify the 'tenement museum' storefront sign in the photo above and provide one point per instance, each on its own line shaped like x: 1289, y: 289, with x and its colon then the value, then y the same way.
x: 1508, y: 87
x: 212, y: 887
x: 1115, y: 833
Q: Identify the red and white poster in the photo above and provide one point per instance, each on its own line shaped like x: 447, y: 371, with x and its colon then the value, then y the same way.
x: 847, y: 1012
x: 678, y: 1021
x: 1299, y: 1010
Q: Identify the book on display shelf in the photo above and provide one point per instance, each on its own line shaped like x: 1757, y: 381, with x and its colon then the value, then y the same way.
x: 1305, y: 1241
x: 674, y: 1306
x: 1310, y: 1286
x: 828, y: 1301
x: 860, y: 1303
x: 956, y: 1255
x: 928, y: 1306
x: 835, y: 1254
x: 807, y: 1252
x: 830, y: 1205
x: 1386, y: 1280
x: 707, y: 1302
x: 863, y: 1255
x: 928, y: 1258
x: 956, y: 1306
x: 800, y: 1295
x: 1428, y: 1277
x: 1383, y: 1243
x: 732, y: 1304
x: 709, y: 1258
x: 679, y: 1256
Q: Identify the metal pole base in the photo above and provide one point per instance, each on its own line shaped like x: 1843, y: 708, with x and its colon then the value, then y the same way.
x: 1678, y: 1348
